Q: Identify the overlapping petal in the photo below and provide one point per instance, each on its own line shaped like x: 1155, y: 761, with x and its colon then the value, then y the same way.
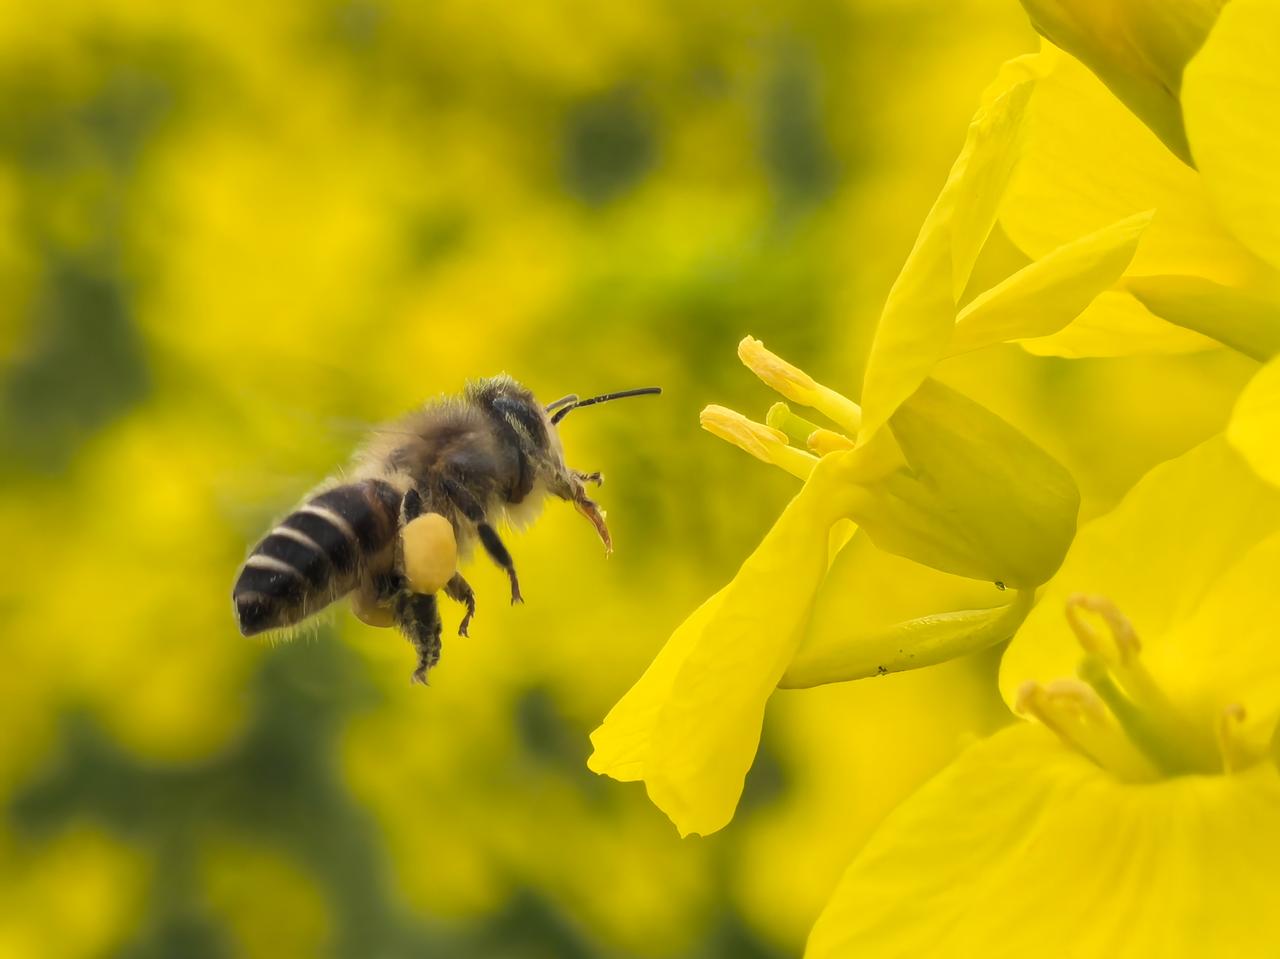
x: 1232, y: 101
x: 1024, y: 847
x: 1248, y: 321
x: 920, y: 312
x: 1087, y: 162
x: 1137, y: 47
x: 1255, y: 423
x: 1117, y: 323
x: 1071, y: 276
x: 1046, y: 295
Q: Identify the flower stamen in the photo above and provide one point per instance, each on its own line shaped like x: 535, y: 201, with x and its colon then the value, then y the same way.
x: 763, y: 442
x: 1113, y: 667
x: 823, y: 441
x: 782, y: 417
x: 798, y: 386
x: 1073, y: 711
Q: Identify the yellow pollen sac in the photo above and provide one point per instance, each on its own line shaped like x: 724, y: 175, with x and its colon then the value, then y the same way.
x: 798, y: 386
x: 763, y: 442
x: 367, y: 609
x: 791, y: 381
x: 430, y: 552
x: 1125, y: 646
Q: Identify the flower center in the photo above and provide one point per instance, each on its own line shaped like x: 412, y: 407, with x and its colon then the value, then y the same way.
x: 1117, y: 714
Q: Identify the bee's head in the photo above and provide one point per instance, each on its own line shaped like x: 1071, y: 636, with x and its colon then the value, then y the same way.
x: 535, y: 429
x: 537, y: 426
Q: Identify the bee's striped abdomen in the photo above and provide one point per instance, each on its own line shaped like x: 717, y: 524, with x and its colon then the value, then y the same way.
x: 315, y: 555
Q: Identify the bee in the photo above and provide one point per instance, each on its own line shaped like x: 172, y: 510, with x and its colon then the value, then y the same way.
x: 420, y: 492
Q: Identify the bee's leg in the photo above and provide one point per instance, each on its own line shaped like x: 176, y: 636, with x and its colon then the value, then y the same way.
x: 460, y: 591
x: 572, y: 489
x: 497, y: 551
x: 411, y: 506
x: 592, y: 511
x: 470, y: 507
x: 418, y: 617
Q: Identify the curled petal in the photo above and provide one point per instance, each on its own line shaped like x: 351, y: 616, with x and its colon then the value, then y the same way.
x: 1138, y: 48
x: 1046, y: 295
x: 691, y: 726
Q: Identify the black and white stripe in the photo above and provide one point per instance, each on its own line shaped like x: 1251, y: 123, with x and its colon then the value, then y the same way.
x: 314, y: 555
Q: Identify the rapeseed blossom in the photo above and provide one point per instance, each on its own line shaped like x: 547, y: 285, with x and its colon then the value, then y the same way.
x: 1086, y: 270
x: 1138, y: 811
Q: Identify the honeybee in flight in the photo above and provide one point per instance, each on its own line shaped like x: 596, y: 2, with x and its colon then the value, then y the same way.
x: 421, y: 491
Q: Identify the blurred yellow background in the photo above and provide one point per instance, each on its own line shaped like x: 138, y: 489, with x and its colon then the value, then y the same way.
x: 233, y: 238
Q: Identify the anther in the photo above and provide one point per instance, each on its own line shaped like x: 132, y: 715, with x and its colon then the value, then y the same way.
x: 798, y: 386
x: 1078, y: 717
x: 763, y: 442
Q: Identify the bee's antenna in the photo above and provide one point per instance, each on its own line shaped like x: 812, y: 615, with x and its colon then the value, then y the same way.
x: 570, y: 403
x: 571, y: 398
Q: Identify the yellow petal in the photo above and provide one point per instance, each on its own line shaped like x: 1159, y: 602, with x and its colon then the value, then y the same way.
x: 1225, y: 654
x: 1244, y: 320
x: 1022, y: 847
x: 1232, y: 100
x: 1255, y: 422
x: 1048, y: 294
x: 921, y: 308
x: 976, y: 497
x: 1117, y: 324
x: 877, y: 613
x: 1156, y: 556
x: 691, y: 725
x: 1138, y: 48
x: 622, y: 741
x: 1087, y: 162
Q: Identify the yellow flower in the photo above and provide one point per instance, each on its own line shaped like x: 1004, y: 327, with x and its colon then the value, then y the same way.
x: 947, y: 485
x: 1110, y: 250
x: 1139, y: 814
x: 1231, y: 93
